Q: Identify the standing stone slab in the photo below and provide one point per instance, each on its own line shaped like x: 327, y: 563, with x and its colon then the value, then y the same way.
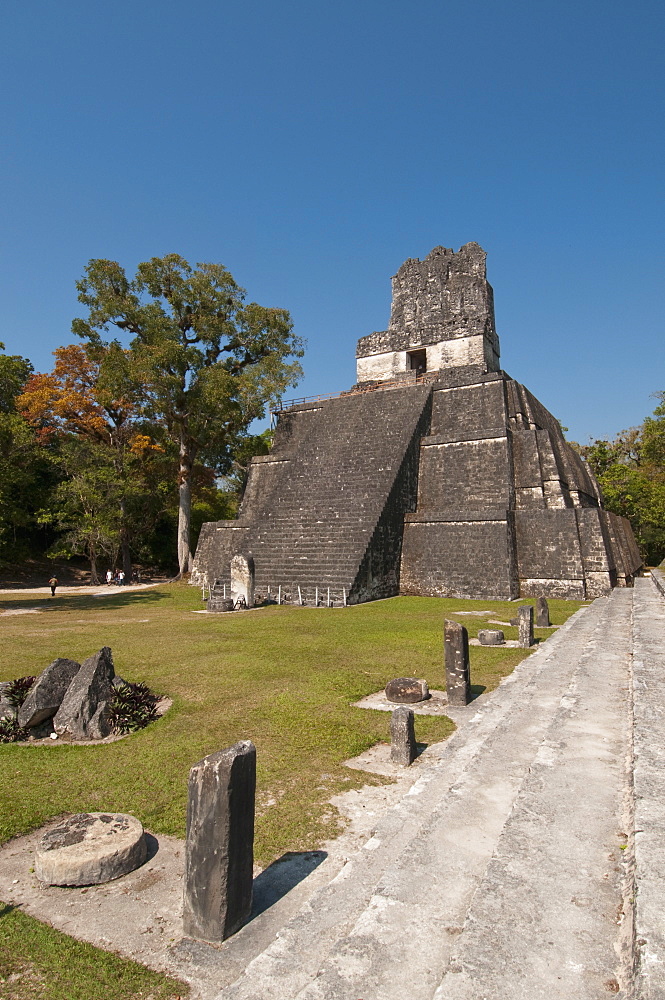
x: 407, y: 690
x: 46, y: 694
x: 90, y: 848
x: 542, y: 613
x: 525, y: 626
x: 402, y: 736
x: 83, y: 714
x: 456, y: 650
x: 219, y: 854
x: 242, y: 578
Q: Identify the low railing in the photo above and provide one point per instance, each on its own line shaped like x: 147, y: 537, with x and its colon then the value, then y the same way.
x: 316, y: 597
x: 360, y: 389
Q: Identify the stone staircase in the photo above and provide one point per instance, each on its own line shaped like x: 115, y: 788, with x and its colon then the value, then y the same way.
x: 507, y: 869
x: 300, y: 533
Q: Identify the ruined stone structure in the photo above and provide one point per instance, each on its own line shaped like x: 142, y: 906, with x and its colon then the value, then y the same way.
x: 435, y: 474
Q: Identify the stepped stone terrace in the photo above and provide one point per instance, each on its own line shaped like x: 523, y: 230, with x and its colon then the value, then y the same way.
x: 436, y: 474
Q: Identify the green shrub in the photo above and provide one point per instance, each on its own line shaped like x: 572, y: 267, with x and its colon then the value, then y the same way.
x: 133, y: 706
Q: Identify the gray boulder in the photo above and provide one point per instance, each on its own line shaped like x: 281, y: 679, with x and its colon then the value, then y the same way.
x: 84, y: 712
x: 46, y: 694
x: 7, y: 710
x: 407, y: 690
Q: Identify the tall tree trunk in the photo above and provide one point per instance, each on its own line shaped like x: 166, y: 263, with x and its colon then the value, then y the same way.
x: 124, y: 549
x: 92, y: 556
x: 184, y: 508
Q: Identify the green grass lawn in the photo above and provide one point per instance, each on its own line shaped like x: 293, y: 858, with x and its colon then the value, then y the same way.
x: 283, y: 677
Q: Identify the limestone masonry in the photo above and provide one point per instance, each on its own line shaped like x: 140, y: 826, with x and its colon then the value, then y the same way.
x: 436, y: 474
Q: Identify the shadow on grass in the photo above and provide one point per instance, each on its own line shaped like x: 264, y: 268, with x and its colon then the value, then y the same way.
x: 282, y: 876
x: 113, y: 602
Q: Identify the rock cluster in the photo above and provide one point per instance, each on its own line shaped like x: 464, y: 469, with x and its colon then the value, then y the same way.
x: 73, y: 698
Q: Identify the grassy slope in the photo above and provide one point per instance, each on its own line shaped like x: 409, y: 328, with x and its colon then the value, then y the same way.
x: 283, y: 677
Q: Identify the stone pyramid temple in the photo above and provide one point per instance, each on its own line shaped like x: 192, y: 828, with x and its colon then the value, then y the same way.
x: 436, y: 474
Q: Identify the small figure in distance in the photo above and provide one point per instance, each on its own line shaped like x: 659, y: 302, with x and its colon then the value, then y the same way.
x: 109, y: 577
x: 121, y: 577
x: 53, y: 583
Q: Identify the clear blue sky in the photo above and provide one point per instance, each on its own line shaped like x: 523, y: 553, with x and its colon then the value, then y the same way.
x: 311, y: 148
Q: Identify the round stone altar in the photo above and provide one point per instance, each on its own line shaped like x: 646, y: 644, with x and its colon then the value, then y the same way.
x: 90, y: 848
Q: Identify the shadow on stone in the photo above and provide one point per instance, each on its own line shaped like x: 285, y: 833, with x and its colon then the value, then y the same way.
x: 152, y: 846
x: 281, y: 876
x: 476, y: 690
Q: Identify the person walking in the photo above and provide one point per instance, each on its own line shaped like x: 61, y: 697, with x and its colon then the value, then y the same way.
x: 109, y: 577
x: 121, y: 577
x: 53, y: 583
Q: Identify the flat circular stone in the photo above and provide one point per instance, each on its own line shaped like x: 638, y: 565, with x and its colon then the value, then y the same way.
x: 491, y: 637
x: 90, y: 848
x: 407, y: 690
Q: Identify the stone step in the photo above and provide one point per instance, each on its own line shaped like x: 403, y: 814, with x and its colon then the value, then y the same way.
x: 386, y: 927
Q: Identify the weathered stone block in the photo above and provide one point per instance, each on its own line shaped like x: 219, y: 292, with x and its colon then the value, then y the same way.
x: 456, y: 654
x: 83, y: 713
x: 525, y: 626
x: 491, y: 637
x: 402, y: 736
x: 46, y: 694
x: 90, y: 848
x: 407, y: 690
x: 219, y: 604
x: 542, y: 613
x: 219, y: 853
x: 242, y: 578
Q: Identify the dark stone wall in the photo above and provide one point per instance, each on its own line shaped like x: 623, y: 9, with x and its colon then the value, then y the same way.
x: 476, y: 410
x: 549, y: 557
x: 458, y: 559
x: 464, y: 474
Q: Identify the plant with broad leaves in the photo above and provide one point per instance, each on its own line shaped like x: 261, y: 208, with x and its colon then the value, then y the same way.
x: 11, y: 732
x: 133, y: 706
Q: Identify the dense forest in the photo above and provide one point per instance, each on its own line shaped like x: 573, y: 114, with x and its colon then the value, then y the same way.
x: 140, y: 432
x: 630, y: 469
x: 120, y: 453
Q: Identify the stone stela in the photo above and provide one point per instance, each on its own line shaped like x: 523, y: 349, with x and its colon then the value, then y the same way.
x: 219, y: 852
x: 435, y: 474
x: 402, y: 736
x: 456, y: 656
x: 525, y: 626
x: 242, y: 578
x: 542, y: 613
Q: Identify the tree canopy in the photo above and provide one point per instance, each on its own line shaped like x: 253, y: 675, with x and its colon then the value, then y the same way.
x: 207, y: 363
x: 630, y: 469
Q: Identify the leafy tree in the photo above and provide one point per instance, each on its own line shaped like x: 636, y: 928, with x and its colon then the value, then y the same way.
x: 208, y: 363
x: 90, y: 403
x: 26, y: 472
x: 85, y: 507
x: 631, y: 473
